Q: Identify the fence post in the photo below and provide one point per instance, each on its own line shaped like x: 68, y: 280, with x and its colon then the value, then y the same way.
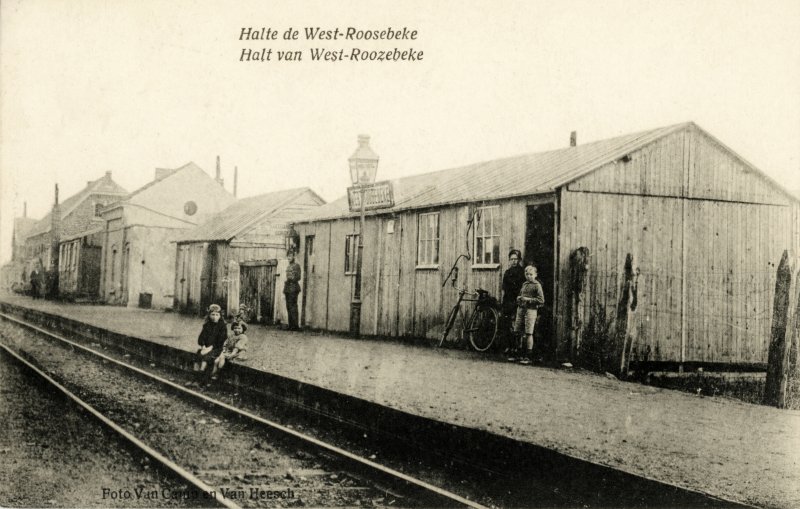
x: 781, y: 340
x: 625, y: 309
x: 578, y: 282
x: 793, y: 337
x: 233, y: 285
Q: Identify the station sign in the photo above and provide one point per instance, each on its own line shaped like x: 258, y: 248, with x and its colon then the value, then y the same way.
x: 379, y: 195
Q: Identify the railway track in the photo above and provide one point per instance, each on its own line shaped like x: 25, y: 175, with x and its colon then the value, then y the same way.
x: 53, y: 452
x: 354, y: 478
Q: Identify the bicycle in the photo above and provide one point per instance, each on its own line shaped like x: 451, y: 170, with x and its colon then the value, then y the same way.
x: 480, y: 326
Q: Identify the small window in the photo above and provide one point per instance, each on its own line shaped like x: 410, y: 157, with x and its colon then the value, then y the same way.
x: 351, y: 254
x: 487, y: 236
x: 190, y: 208
x: 97, y: 208
x: 428, y: 240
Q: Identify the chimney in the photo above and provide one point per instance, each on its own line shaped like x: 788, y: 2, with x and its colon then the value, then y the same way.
x: 108, y: 175
x: 218, y: 177
x: 56, y: 200
x: 235, y: 179
x: 573, y: 138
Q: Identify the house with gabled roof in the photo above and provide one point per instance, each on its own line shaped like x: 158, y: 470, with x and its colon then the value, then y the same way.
x: 76, y: 214
x: 138, y: 254
x: 15, y: 273
x: 703, y: 227
x: 237, y: 258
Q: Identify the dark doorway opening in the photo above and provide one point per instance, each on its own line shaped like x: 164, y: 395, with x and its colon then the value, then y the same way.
x: 308, y: 271
x: 540, y: 251
x: 257, y: 288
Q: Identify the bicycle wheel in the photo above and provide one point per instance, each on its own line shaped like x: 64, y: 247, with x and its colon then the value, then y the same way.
x: 482, y: 328
x: 448, y: 325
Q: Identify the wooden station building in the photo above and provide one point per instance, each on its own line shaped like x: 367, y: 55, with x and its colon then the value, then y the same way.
x: 705, y: 230
x: 238, y: 256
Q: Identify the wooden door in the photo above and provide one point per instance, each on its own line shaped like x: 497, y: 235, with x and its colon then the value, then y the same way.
x: 540, y: 251
x: 257, y: 291
x: 180, y: 278
x: 208, y: 278
x: 308, y: 272
x: 89, y: 282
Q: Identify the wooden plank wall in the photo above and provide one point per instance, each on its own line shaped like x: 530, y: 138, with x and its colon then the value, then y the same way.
x: 732, y: 256
x: 685, y: 163
x: 318, y: 292
x: 231, y: 252
x: 612, y: 226
x: 191, y: 260
x: 715, y: 173
x: 406, y: 300
x: 687, y: 187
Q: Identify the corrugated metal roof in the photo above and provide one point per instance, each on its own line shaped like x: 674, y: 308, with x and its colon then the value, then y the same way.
x: 243, y: 214
x: 103, y: 185
x: 528, y: 174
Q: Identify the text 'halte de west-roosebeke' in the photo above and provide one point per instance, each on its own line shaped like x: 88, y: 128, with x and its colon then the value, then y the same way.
x: 334, y: 34
x: 326, y: 54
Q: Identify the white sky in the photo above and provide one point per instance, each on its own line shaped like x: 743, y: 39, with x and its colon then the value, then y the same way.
x: 128, y: 86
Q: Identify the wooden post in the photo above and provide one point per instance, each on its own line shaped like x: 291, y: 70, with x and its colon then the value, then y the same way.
x: 578, y: 283
x: 793, y: 332
x: 233, y: 287
x: 625, y: 309
x: 780, y: 342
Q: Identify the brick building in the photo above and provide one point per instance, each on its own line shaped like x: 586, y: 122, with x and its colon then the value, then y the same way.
x: 74, y: 215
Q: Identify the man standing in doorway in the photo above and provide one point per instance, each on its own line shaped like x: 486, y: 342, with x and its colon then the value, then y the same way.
x: 291, y: 289
x: 513, y: 278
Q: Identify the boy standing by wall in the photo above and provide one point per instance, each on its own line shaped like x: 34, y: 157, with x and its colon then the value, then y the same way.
x: 531, y: 298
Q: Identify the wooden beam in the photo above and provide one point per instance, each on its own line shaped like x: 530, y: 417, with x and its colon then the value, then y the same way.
x: 578, y: 283
x: 780, y: 344
x: 625, y: 309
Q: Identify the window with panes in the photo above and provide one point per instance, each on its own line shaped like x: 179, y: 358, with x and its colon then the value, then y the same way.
x: 428, y: 240
x: 351, y: 254
x: 487, y: 236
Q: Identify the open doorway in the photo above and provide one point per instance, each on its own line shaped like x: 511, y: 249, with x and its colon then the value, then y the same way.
x: 540, y: 251
x: 308, y: 271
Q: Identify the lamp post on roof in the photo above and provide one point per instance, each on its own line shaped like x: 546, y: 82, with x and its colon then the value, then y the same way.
x: 363, y: 168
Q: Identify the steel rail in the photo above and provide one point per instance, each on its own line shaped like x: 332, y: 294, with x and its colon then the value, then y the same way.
x: 364, y: 462
x: 149, y: 451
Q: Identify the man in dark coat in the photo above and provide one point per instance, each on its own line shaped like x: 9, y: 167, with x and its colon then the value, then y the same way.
x: 34, y: 281
x: 513, y: 278
x: 291, y: 289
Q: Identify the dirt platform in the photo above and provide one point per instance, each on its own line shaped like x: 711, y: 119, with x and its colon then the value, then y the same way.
x: 737, y: 451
